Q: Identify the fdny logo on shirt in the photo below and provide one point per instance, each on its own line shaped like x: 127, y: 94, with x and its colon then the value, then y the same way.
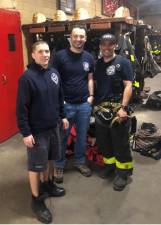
x: 110, y: 70
x: 86, y: 66
x: 54, y: 78
x: 118, y: 67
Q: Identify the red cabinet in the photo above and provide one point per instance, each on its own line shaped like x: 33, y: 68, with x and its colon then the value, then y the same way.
x: 11, y: 68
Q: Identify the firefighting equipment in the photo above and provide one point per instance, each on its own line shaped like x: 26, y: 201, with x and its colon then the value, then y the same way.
x: 94, y: 155
x: 38, y: 18
x: 147, y: 141
x: 156, y: 52
x: 114, y: 144
x: 149, y: 65
x: 156, y: 47
x: 122, y: 12
x: 141, y: 22
x: 154, y: 100
x: 60, y: 15
x: 70, y: 142
x: 106, y: 112
x: 81, y: 14
x: 126, y: 49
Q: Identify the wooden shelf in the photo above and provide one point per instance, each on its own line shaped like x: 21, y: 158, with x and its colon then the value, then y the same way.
x: 93, y: 24
x: 54, y: 30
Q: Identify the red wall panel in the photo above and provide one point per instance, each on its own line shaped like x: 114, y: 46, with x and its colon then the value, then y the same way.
x: 11, y: 68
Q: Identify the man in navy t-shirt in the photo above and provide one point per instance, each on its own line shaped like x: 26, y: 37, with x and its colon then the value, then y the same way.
x: 113, y: 76
x: 76, y: 67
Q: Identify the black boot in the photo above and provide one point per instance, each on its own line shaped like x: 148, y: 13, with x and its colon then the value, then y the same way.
x: 51, y: 189
x: 41, y: 211
x: 107, y: 172
x: 120, y: 182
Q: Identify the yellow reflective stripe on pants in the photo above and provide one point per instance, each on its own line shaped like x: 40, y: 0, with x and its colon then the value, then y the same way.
x: 132, y: 58
x: 136, y: 84
x: 109, y: 160
x: 127, y: 165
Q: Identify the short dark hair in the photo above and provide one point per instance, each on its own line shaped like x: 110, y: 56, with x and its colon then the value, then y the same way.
x: 109, y: 38
x: 80, y: 27
x: 38, y: 43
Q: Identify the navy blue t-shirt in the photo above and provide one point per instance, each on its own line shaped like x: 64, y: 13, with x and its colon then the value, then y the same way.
x: 74, y: 69
x: 109, y: 78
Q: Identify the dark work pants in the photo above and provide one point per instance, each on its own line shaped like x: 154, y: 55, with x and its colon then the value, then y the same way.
x: 114, y: 144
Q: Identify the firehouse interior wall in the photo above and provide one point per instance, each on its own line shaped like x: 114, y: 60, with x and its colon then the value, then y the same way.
x: 27, y: 8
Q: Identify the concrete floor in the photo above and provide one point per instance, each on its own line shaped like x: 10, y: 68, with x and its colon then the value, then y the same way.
x: 88, y: 200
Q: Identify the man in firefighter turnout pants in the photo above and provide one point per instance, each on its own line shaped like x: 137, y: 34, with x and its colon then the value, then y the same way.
x: 113, y: 76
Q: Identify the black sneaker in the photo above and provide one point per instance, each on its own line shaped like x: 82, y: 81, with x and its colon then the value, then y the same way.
x: 40, y: 210
x: 120, y: 182
x: 51, y: 189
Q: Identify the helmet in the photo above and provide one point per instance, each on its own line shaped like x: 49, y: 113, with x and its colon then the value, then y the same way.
x: 60, y: 15
x: 38, y: 18
x: 109, y: 38
x: 81, y: 14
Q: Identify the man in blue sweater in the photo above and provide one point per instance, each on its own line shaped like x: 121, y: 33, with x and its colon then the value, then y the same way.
x: 75, y: 66
x: 40, y: 106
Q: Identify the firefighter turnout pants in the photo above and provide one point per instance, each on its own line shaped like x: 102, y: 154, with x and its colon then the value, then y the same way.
x: 113, y: 142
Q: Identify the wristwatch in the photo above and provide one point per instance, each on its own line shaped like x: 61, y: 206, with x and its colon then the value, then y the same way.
x: 124, y: 107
